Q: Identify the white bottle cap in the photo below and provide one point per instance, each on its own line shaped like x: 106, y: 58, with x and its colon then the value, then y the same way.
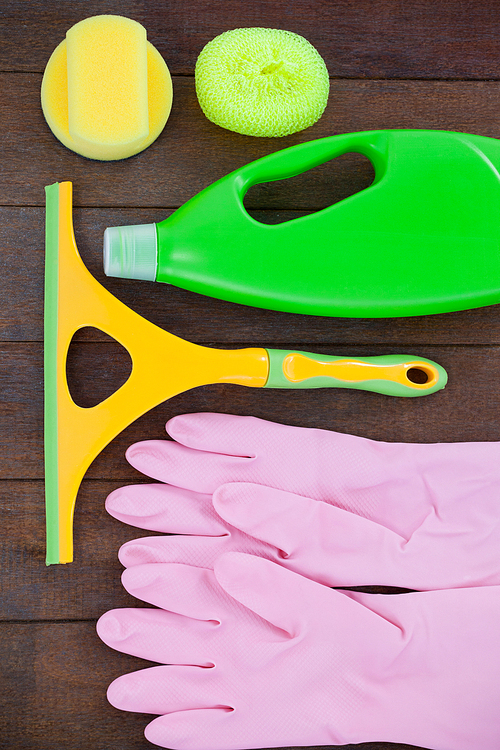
x: 131, y: 252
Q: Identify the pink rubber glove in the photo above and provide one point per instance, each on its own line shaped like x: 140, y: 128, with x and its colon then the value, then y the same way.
x: 418, y: 516
x: 262, y: 657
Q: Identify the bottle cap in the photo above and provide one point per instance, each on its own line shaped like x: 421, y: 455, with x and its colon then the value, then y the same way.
x: 131, y: 252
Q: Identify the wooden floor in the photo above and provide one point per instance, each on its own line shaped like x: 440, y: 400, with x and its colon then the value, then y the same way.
x: 416, y: 64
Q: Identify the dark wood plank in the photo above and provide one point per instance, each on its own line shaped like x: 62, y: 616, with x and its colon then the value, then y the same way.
x: 82, y: 590
x: 449, y: 39
x: 54, y: 695
x: 55, y: 678
x: 192, y: 316
x: 192, y: 152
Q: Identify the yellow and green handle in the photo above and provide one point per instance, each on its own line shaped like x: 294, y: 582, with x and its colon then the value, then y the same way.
x: 392, y: 375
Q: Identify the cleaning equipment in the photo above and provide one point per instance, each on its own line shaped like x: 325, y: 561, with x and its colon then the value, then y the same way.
x: 261, y: 82
x: 423, y: 238
x: 420, y: 516
x: 163, y: 365
x: 259, y: 656
x: 106, y: 91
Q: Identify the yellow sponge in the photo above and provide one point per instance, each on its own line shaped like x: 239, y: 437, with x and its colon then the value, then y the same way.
x: 106, y: 91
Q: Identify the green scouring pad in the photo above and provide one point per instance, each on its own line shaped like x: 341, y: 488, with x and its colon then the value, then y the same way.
x: 261, y: 82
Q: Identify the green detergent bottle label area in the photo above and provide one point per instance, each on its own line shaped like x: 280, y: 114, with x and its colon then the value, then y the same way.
x: 423, y: 238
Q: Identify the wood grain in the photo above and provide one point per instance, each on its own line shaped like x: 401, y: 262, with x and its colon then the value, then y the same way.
x: 67, y: 664
x: 392, y: 65
x: 192, y: 152
x: 453, y: 39
x: 83, y: 590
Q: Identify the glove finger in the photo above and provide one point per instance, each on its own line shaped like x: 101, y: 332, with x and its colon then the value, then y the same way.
x: 203, y: 729
x: 160, y: 636
x: 339, y: 548
x: 190, y: 550
x: 160, y: 690
x: 297, y: 605
x: 223, y: 433
x: 161, y: 507
x: 325, y: 543
x: 282, y: 598
x: 356, y: 474
x: 303, y: 460
x: 175, y: 464
x: 193, y: 592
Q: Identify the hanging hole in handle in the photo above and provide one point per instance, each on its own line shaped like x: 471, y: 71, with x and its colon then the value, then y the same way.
x: 311, y: 191
x: 418, y: 375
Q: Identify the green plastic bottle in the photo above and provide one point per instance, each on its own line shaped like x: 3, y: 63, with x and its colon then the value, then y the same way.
x: 423, y: 238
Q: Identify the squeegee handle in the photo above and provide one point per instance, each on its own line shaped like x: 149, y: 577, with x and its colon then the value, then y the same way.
x: 393, y: 375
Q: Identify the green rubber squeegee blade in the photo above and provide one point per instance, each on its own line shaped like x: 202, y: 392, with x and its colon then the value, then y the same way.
x: 50, y: 372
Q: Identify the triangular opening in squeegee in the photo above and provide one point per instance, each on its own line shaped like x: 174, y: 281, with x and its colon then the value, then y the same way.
x: 96, y: 366
x: 310, y: 191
